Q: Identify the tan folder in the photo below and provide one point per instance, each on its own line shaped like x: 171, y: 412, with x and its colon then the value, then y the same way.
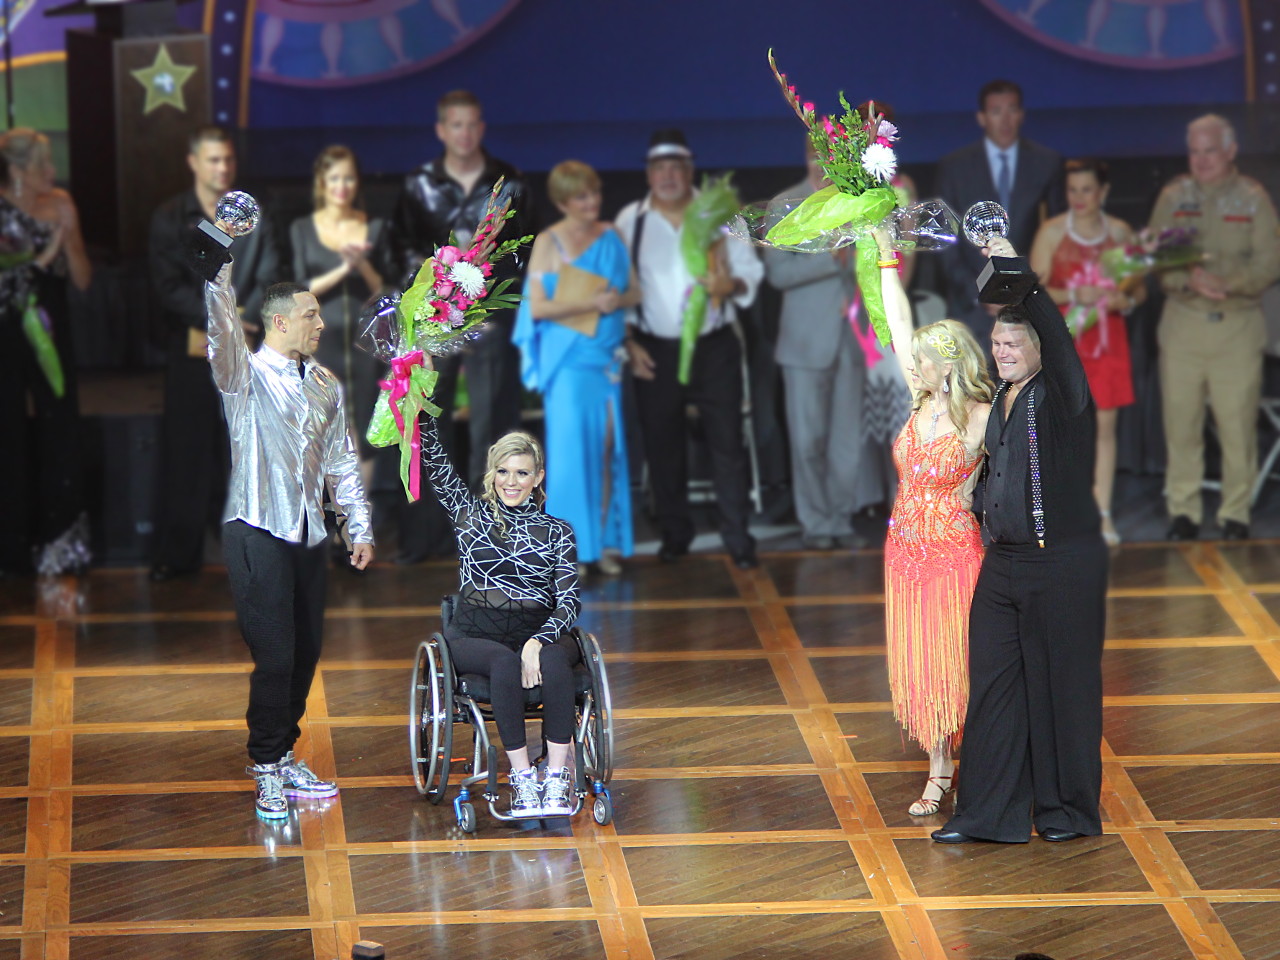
x: 578, y: 284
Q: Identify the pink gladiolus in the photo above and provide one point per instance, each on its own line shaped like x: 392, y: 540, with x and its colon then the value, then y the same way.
x: 808, y: 108
x: 828, y: 126
x: 883, y: 140
x: 448, y: 256
x: 443, y: 288
x: 487, y: 269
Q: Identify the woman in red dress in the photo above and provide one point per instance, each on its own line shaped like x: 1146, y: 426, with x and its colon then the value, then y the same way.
x: 934, y: 549
x: 1066, y: 251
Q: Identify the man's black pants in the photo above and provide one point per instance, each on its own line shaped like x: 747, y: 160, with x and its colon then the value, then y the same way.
x: 278, y: 588
x: 715, y: 388
x: 1033, y: 735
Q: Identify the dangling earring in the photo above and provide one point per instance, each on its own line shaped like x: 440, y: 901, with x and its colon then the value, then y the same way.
x: 946, y: 386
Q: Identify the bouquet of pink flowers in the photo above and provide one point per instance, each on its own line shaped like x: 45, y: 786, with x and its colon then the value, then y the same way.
x: 1171, y: 249
x: 444, y: 308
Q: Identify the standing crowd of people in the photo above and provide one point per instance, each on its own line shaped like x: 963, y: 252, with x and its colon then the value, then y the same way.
x: 1001, y: 428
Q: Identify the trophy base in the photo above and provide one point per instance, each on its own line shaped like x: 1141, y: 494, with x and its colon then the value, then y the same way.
x: 208, y: 250
x: 1005, y: 281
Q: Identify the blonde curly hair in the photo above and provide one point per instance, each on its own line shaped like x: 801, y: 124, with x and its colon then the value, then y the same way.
x: 949, y: 343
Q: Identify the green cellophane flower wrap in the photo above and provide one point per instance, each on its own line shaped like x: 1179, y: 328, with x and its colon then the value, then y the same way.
x: 43, y: 347
x: 857, y: 157
x: 709, y: 210
x: 831, y: 209
x: 407, y: 393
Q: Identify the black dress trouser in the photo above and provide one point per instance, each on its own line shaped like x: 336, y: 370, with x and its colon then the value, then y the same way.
x: 1033, y: 734
x: 715, y: 389
x: 194, y: 459
x: 278, y: 589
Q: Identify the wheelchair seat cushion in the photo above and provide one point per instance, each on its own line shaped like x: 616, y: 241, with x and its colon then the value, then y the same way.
x: 476, y: 686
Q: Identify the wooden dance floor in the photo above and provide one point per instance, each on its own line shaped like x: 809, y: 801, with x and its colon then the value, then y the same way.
x: 760, y: 795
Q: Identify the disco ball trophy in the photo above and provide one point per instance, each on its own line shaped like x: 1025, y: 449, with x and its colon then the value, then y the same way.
x: 209, y: 246
x: 1004, y: 280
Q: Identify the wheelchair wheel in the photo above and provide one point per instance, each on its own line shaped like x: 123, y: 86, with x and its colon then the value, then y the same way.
x: 602, y: 809
x: 597, y: 745
x: 467, y: 818
x: 431, y: 719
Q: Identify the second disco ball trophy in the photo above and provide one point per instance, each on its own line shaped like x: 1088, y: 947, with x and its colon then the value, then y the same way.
x: 1004, y: 280
x: 209, y: 246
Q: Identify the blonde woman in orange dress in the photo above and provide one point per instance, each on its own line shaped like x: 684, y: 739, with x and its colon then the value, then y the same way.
x: 934, y: 549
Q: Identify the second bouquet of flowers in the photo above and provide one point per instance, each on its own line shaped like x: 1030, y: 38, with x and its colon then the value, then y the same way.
x: 444, y: 308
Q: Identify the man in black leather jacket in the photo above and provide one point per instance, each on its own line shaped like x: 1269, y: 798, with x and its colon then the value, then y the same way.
x: 449, y: 195
x: 195, y: 456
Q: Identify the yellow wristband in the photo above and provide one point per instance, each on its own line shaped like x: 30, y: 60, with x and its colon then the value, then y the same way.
x: 886, y: 264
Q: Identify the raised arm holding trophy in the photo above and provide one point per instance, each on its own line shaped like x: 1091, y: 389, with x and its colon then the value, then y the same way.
x: 286, y: 419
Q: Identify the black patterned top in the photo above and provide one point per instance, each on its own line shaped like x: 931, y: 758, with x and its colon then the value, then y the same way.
x: 20, y: 233
x: 530, y: 570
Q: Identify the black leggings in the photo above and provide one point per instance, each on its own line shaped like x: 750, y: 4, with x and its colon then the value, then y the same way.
x: 500, y: 662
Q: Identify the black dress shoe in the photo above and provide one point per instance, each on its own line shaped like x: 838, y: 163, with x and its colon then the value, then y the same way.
x: 1235, y: 530
x: 1059, y: 836
x: 1183, y: 528
x: 952, y: 836
x: 671, y: 552
x: 161, y: 572
x: 747, y: 560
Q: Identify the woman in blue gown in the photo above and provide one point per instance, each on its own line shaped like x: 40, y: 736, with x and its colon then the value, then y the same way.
x: 578, y: 368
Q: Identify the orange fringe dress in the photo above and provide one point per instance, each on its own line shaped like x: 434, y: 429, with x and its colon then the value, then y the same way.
x: 931, y: 561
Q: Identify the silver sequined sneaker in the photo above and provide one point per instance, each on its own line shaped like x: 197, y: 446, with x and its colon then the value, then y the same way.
x: 299, y: 781
x: 270, y: 801
x: 526, y: 794
x: 557, y: 793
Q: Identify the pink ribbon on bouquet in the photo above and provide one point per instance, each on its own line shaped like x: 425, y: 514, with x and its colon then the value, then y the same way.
x: 398, y: 387
x: 1090, y: 274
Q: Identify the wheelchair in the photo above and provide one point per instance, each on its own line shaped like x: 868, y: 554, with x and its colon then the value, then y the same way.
x: 439, y: 699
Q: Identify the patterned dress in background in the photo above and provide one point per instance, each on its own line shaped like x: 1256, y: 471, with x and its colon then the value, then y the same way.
x: 931, y: 561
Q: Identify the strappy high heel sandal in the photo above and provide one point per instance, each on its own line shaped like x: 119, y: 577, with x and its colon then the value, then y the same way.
x: 927, y: 806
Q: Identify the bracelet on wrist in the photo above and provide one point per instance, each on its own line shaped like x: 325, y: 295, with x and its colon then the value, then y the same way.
x: 886, y: 264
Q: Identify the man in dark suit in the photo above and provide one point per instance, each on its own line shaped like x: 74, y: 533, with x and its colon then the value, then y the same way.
x: 1023, y: 176
x: 194, y: 455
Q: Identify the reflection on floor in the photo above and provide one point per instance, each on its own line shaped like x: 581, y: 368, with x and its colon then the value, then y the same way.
x: 760, y: 795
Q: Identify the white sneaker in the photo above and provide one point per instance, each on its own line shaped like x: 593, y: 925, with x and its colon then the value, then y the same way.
x: 557, y: 793
x: 526, y: 794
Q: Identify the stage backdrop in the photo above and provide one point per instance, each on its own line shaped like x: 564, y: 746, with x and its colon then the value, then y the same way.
x: 590, y: 78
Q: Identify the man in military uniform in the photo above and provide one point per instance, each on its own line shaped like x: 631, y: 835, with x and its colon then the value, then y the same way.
x: 1212, y: 333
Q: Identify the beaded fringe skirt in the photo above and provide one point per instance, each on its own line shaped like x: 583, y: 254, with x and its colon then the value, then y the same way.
x: 927, y: 640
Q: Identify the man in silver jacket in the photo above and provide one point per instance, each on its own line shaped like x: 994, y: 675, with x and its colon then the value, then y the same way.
x: 289, y: 438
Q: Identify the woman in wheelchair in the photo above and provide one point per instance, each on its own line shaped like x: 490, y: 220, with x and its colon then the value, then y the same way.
x: 517, y: 601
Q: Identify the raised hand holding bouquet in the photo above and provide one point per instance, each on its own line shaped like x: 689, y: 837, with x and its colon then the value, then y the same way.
x: 444, y: 308
x: 858, y: 158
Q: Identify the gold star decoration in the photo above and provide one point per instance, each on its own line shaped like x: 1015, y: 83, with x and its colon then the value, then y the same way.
x: 163, y: 82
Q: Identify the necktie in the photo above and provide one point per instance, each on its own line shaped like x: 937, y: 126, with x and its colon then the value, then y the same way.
x: 1004, y: 182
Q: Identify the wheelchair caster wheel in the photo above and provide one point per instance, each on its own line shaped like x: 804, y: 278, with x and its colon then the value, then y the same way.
x: 602, y: 809
x: 467, y: 818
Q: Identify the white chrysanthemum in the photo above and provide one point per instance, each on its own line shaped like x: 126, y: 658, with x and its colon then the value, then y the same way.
x: 468, y: 277
x: 880, y: 161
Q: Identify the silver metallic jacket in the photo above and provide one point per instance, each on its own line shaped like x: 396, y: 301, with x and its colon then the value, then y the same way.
x: 288, y: 433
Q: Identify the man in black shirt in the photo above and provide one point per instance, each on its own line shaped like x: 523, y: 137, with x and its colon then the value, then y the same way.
x: 1033, y: 733
x: 450, y: 194
x: 194, y: 455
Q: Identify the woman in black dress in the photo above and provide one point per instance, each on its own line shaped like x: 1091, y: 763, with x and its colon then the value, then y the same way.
x: 343, y: 256
x: 43, y: 483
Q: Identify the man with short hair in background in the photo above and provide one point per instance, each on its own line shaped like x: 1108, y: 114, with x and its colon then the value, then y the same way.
x: 1021, y: 175
x: 193, y: 448
x: 1212, y: 331
x: 450, y: 195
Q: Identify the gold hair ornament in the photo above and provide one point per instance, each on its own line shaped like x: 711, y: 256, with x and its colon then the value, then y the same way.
x: 945, y: 344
